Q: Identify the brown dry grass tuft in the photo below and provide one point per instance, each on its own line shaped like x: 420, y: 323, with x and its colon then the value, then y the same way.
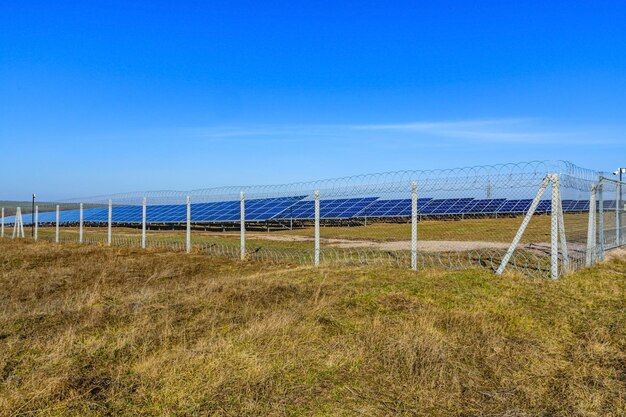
x: 99, y: 331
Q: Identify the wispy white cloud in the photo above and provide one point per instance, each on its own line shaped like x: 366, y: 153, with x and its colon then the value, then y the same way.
x: 487, y: 130
x: 417, y: 133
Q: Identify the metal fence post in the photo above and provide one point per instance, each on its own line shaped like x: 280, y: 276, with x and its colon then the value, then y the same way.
x: 36, y: 223
x: 601, y: 218
x: 2, y: 224
x: 143, y: 223
x: 188, y: 240
x: 317, y: 228
x: 414, y: 226
x: 242, y: 226
x: 110, y: 224
x: 591, y: 227
x: 56, y: 228
x: 554, y: 229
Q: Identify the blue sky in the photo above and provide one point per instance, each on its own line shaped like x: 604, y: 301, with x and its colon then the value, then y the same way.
x: 106, y: 96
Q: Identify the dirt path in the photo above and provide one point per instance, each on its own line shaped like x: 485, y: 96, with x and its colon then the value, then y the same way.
x: 422, y: 245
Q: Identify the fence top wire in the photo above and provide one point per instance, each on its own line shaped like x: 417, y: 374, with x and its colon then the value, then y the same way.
x: 500, y: 176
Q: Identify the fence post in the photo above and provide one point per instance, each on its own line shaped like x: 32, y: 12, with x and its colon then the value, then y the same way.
x: 317, y: 228
x: 562, y: 237
x: 522, y: 228
x: 188, y: 224
x: 143, y: 223
x: 601, y: 217
x: 591, y: 227
x: 2, y: 224
x: 56, y: 229
x: 554, y: 229
x: 80, y: 224
x: 110, y: 223
x: 36, y: 221
x: 242, y: 226
x: 16, y: 223
x: 617, y: 214
x: 21, y: 231
x: 414, y: 226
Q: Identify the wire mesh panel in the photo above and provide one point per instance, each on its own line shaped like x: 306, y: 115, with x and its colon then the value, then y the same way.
x: 454, y: 219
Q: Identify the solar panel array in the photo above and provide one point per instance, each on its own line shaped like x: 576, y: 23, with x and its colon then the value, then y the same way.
x: 301, y: 208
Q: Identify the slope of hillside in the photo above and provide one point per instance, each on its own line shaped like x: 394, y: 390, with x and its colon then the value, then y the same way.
x: 109, y: 331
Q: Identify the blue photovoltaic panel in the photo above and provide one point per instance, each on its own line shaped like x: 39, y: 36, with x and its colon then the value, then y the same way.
x: 269, y: 208
x: 568, y: 205
x: 391, y: 208
x: 515, y: 206
x: 544, y: 206
x: 127, y: 214
x: 344, y: 208
x: 99, y: 214
x: 458, y: 206
x: 522, y: 206
x: 432, y: 206
x: 581, y: 205
x: 446, y: 206
x: 256, y: 210
x: 485, y: 206
x: 167, y: 213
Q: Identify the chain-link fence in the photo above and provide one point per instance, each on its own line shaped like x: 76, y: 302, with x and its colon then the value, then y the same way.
x: 543, y: 218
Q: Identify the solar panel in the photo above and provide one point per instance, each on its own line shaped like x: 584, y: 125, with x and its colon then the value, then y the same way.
x: 391, y: 208
x: 432, y: 206
x: 256, y: 209
x: 507, y: 206
x: 484, y: 206
x: 343, y: 208
x: 459, y: 206
x: 568, y: 205
x: 544, y: 206
x: 581, y: 205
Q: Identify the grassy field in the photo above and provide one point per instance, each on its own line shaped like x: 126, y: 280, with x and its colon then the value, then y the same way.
x: 116, y: 331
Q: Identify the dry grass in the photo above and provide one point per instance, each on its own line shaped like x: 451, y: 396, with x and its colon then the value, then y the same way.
x: 99, y: 331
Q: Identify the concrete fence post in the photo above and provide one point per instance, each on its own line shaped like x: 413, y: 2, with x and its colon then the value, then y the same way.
x: 80, y: 224
x: 317, y: 228
x: 188, y: 240
x: 56, y: 227
x: 110, y: 224
x: 36, y: 223
x: 601, y: 218
x: 2, y: 224
x: 591, y: 228
x: 242, y: 225
x: 414, y: 226
x: 554, y: 229
x: 143, y: 223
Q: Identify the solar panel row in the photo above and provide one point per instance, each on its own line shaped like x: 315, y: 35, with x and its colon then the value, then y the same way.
x: 285, y: 208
